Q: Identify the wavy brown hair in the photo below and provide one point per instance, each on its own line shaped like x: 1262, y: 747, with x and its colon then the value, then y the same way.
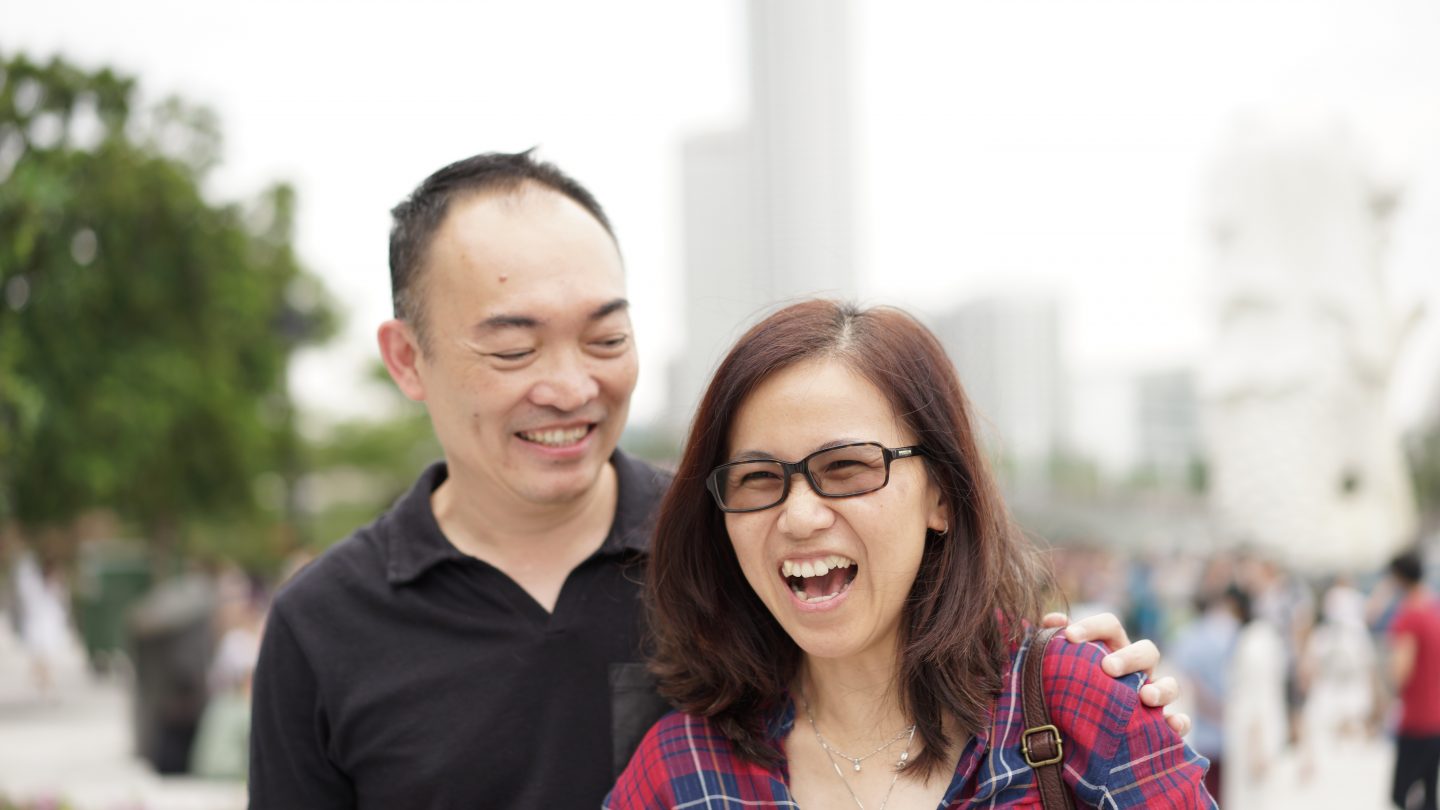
x: 718, y: 651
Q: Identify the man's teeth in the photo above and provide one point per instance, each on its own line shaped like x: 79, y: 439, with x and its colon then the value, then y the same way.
x: 555, y: 438
x: 814, y: 568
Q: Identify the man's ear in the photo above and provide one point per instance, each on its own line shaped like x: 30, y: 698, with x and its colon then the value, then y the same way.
x: 400, y: 349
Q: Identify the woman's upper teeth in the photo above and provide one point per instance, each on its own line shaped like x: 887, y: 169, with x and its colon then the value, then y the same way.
x: 814, y: 568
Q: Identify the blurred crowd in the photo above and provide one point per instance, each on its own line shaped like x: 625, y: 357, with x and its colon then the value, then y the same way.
x: 1276, y: 665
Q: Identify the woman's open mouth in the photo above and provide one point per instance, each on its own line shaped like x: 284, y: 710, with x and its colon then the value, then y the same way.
x: 819, y: 580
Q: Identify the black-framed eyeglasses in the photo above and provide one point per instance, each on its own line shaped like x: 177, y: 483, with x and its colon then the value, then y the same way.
x: 835, y: 472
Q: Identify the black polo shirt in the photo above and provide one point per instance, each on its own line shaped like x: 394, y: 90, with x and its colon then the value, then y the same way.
x: 397, y: 672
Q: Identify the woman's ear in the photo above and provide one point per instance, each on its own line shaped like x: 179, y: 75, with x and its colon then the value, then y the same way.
x: 938, y: 521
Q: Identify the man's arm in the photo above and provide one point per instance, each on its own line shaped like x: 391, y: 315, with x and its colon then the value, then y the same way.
x: 1125, y: 658
x: 1402, y: 658
x: 288, y: 763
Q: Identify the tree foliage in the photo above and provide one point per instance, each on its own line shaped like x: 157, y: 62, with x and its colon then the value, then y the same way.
x: 144, y: 330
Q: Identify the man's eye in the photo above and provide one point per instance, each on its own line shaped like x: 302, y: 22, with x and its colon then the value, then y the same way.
x: 519, y: 354
x: 615, y: 342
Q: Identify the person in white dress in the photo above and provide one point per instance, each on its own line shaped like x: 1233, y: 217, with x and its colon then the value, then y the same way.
x: 44, y: 618
x: 1255, y: 723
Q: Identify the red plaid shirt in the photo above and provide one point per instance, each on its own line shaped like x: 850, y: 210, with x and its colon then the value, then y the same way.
x: 1118, y: 753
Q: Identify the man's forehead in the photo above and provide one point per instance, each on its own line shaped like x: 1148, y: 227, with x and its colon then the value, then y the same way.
x: 523, y: 204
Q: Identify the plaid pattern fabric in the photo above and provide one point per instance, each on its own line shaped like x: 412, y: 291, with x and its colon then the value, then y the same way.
x: 1118, y: 753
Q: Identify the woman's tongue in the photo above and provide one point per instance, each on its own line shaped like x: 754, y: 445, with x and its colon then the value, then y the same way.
x: 824, y: 585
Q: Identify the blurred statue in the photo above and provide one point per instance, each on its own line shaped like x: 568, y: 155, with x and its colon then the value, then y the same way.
x: 1303, y: 458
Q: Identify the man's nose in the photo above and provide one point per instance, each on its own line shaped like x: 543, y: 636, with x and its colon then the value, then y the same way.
x: 804, y: 513
x: 567, y: 385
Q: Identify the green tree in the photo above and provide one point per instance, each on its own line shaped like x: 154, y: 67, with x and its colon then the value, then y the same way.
x: 144, y: 330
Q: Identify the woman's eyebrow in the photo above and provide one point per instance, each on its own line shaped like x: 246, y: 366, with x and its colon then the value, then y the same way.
x: 756, y: 455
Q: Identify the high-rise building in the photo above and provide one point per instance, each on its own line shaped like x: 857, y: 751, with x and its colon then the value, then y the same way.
x: 1168, y: 422
x: 1007, y: 350
x: 769, y: 208
x: 802, y: 146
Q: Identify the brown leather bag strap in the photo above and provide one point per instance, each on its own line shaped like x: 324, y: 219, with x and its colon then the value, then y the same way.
x: 1041, y: 744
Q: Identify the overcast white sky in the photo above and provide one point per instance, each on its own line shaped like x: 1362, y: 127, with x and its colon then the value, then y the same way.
x: 1058, y: 146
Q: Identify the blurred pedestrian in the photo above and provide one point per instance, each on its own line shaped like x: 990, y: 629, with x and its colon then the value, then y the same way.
x: 1255, y: 721
x: 44, y: 618
x: 1339, y: 673
x: 1415, y: 667
x: 1286, y: 601
x: 1202, y: 654
x: 222, y: 741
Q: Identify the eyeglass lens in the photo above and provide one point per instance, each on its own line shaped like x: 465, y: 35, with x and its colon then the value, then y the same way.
x: 848, y: 470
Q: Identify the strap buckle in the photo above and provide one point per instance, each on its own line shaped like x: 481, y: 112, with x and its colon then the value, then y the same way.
x: 1025, y: 746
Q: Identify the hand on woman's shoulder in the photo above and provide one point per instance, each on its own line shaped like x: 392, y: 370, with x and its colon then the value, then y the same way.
x: 1118, y: 752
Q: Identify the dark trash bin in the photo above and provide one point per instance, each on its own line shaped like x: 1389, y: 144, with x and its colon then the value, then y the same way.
x: 172, y: 640
x: 110, y: 578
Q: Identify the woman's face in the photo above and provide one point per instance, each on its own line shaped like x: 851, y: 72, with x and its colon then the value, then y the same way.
x: 834, y: 572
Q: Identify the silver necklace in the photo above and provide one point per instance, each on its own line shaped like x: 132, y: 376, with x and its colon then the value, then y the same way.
x: 831, y: 753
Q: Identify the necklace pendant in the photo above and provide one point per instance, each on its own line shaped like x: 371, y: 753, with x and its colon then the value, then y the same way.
x: 857, y: 764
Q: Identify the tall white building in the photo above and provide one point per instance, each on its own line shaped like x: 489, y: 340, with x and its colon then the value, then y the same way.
x: 1007, y: 350
x: 803, y: 152
x: 1168, y: 423
x: 769, y: 209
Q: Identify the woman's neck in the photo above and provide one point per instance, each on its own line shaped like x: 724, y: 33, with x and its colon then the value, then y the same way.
x: 854, y: 704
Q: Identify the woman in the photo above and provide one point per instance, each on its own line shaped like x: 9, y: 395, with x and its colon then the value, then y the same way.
x: 841, y: 616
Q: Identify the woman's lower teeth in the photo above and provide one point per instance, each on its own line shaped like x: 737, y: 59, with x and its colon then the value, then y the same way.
x: 800, y: 592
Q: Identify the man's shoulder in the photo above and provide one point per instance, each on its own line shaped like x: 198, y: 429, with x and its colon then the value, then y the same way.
x: 642, y: 485
x: 364, y: 561
x: 356, y: 562
x: 1420, y: 617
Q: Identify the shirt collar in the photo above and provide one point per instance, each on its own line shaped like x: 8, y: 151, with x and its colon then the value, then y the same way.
x: 414, y: 543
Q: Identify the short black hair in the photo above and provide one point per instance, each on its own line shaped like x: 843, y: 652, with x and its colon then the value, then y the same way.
x: 1407, y: 568
x: 416, y: 219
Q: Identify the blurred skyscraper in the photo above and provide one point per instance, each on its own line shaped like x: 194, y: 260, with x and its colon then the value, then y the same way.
x: 769, y: 209
x: 1007, y: 351
x: 1169, y: 428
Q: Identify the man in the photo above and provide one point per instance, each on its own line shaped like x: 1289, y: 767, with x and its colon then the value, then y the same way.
x: 479, y: 645
x: 1415, y: 668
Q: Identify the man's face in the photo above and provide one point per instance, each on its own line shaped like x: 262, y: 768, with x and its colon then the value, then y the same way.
x: 530, y: 357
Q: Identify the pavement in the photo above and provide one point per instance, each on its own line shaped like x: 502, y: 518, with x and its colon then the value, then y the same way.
x: 76, y: 746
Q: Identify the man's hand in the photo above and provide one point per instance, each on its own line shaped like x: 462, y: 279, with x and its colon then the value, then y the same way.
x: 1142, y: 656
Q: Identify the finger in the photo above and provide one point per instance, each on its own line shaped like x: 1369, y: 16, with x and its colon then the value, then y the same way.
x: 1142, y: 656
x: 1160, y: 693
x: 1102, y: 627
x: 1054, y: 620
x: 1180, y: 722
